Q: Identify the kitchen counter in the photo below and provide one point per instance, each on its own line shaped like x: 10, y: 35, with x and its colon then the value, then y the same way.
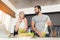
x: 3, y: 32
x: 24, y: 38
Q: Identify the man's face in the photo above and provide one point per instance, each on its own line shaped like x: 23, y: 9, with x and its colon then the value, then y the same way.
x: 36, y: 10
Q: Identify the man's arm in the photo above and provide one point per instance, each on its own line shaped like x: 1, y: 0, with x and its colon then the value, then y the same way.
x: 49, y: 22
x: 33, y: 27
x: 50, y: 25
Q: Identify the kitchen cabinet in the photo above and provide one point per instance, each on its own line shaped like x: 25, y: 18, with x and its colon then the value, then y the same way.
x: 56, y: 31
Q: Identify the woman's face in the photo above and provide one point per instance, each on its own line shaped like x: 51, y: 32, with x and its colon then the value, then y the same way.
x: 21, y: 15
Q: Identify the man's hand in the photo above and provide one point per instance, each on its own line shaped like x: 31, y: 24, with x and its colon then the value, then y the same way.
x: 40, y: 34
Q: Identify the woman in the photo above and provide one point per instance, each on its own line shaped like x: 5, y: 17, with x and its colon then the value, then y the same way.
x: 22, y: 22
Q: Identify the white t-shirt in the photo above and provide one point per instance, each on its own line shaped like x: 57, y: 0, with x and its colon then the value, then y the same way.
x: 22, y: 24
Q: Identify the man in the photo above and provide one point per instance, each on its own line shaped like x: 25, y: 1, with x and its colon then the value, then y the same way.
x: 39, y: 21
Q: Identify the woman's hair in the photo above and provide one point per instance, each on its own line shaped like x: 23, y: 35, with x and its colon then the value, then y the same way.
x: 21, y: 12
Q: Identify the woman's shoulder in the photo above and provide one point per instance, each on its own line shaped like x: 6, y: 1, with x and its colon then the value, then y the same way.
x: 25, y: 19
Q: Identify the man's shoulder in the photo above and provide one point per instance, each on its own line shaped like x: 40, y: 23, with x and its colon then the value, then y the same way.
x: 46, y: 15
x: 34, y: 16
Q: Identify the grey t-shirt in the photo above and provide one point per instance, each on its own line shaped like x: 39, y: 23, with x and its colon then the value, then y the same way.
x: 40, y: 22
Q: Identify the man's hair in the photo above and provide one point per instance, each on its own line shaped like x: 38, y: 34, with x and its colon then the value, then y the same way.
x: 39, y: 7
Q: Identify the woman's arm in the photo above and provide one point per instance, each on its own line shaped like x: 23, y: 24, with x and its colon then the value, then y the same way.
x: 26, y: 24
x: 17, y: 25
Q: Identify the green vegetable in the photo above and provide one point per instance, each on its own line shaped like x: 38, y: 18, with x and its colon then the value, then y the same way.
x: 21, y: 31
x: 44, y: 34
x: 30, y: 34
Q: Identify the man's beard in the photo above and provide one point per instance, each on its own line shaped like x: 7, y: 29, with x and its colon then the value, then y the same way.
x: 37, y: 13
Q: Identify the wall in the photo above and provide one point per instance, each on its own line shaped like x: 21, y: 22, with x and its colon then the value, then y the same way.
x: 53, y: 16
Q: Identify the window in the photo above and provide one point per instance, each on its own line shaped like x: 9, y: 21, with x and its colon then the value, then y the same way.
x: 5, y: 19
x: 0, y: 16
